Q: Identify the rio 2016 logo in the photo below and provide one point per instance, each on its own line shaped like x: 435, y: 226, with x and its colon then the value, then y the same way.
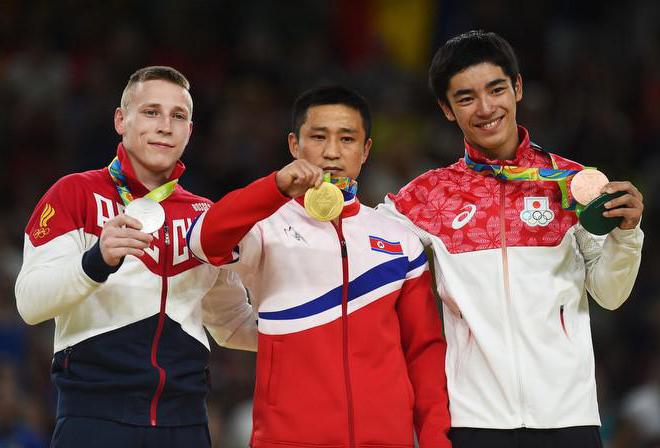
x: 46, y: 215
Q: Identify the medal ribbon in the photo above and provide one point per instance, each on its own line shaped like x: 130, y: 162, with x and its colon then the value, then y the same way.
x: 554, y: 174
x: 345, y: 184
x: 157, y: 194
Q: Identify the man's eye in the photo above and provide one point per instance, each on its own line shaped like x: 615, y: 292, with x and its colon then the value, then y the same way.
x: 464, y: 100
x: 347, y: 139
x: 151, y: 113
x: 318, y: 137
x: 179, y: 116
x: 498, y: 90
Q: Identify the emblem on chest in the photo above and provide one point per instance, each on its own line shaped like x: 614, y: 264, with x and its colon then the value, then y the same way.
x: 464, y: 217
x: 537, y: 211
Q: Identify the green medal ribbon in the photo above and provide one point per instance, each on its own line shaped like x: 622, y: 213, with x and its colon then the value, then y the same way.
x: 344, y: 183
x: 504, y: 172
x: 157, y: 194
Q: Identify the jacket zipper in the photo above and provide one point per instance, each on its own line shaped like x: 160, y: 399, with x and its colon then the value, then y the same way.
x: 507, y: 291
x: 344, y: 323
x: 153, y: 410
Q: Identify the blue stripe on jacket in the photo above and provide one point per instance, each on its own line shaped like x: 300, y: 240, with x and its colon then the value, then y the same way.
x: 374, y: 278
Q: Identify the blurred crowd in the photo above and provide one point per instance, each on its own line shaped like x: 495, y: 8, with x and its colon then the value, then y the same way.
x: 591, y: 73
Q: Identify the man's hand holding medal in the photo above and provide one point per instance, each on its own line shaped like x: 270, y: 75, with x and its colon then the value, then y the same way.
x: 604, y: 204
x: 122, y: 236
x: 324, y: 201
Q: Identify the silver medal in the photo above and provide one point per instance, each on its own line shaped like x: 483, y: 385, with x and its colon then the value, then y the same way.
x: 149, y: 212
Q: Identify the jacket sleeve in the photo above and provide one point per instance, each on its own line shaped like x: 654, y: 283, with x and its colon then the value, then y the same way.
x: 612, y: 264
x: 424, y: 348
x: 226, y: 233
x: 52, y: 278
x: 227, y: 315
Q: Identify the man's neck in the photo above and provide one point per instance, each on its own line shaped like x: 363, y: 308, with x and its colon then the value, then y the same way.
x: 508, y: 154
x: 151, y: 180
x: 505, y: 152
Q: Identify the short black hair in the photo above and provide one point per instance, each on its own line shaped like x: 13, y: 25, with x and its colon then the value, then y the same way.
x: 320, y: 96
x: 468, y: 49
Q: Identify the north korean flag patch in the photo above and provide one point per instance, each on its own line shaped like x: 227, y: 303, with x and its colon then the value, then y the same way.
x: 384, y: 246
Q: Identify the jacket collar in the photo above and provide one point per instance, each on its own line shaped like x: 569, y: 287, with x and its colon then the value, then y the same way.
x: 524, y: 152
x: 136, y: 187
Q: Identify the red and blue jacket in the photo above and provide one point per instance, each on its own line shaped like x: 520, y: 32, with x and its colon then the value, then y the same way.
x: 129, y: 341
x: 351, y: 352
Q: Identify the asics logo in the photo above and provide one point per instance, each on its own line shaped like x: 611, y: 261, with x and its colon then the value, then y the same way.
x: 464, y: 217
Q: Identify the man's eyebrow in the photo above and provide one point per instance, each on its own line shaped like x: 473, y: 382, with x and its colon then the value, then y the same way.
x: 461, y: 92
x: 160, y: 106
x: 495, y: 82
x: 326, y: 129
x: 489, y: 85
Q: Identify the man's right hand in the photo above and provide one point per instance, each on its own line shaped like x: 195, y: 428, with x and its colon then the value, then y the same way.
x: 297, y: 177
x: 120, y: 237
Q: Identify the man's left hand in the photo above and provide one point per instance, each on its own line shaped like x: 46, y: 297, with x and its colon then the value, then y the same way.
x: 629, y: 206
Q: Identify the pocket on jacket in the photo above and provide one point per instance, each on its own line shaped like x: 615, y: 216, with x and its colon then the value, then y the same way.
x: 274, y: 372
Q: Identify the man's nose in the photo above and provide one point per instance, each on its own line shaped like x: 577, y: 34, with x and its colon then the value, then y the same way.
x: 331, y: 149
x: 485, y: 106
x: 165, y: 124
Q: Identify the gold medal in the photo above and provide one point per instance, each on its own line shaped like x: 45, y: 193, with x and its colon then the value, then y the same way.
x: 324, y: 203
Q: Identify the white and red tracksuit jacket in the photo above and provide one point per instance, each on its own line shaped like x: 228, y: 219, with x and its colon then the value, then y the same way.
x: 514, y: 289
x: 129, y: 343
x: 351, y: 352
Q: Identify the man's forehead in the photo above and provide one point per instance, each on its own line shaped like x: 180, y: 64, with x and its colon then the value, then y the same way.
x: 333, y: 116
x: 160, y: 92
x: 478, y: 75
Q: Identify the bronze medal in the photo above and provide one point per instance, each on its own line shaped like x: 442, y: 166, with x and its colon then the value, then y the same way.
x: 586, y: 185
x: 585, y: 188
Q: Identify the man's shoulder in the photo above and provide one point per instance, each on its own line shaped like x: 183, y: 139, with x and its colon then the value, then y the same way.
x: 84, y: 179
x: 433, y: 184
x: 439, y: 175
x: 70, y: 191
x: 545, y: 158
x: 192, y: 198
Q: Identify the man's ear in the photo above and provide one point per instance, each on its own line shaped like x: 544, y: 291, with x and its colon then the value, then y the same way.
x: 119, y: 121
x: 518, y: 88
x: 294, y: 147
x: 446, y: 109
x: 367, y: 148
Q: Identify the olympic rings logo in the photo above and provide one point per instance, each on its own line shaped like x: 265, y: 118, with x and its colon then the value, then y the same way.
x: 41, y: 232
x: 537, y: 212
